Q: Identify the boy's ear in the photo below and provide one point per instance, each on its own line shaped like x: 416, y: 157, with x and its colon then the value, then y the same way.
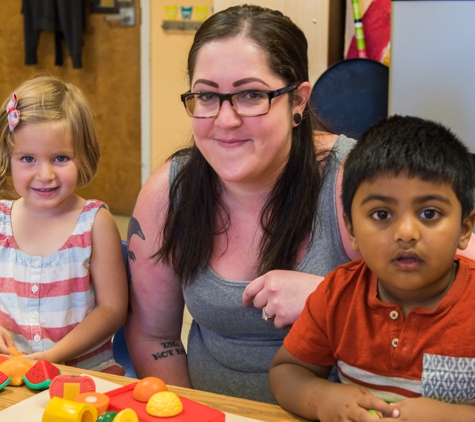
x: 351, y: 234
x: 466, y: 231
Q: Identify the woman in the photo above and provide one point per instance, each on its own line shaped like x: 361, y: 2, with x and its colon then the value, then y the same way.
x: 243, y: 225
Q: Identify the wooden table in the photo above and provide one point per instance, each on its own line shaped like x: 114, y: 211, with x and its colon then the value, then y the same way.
x: 247, y: 408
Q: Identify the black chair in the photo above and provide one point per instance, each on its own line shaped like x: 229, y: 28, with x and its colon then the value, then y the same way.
x: 351, y: 95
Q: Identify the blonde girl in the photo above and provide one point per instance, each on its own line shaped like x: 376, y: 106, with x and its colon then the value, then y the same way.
x: 63, y: 288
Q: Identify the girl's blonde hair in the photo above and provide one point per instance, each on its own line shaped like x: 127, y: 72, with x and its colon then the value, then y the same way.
x: 46, y: 99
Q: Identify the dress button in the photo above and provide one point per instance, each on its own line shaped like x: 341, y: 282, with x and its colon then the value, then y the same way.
x: 34, y: 288
x: 394, y: 342
x: 394, y: 315
x: 36, y: 264
x: 35, y: 315
x: 37, y: 338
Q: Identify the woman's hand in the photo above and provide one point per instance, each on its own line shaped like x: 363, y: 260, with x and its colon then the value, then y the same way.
x: 282, y: 293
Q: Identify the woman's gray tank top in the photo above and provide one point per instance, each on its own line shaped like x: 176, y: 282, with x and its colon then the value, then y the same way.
x: 230, y: 347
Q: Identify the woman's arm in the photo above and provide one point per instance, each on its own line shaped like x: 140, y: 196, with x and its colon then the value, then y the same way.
x: 110, y: 284
x: 154, y: 325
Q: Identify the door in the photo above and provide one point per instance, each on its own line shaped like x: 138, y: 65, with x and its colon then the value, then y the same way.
x: 110, y: 78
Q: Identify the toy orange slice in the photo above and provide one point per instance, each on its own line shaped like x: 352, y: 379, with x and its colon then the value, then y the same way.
x: 15, y: 351
x: 98, y: 400
x: 15, y: 368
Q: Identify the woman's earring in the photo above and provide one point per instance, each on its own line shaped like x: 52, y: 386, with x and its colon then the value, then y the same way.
x: 297, y: 118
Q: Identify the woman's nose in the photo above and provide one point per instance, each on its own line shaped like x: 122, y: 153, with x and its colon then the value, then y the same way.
x: 227, y: 117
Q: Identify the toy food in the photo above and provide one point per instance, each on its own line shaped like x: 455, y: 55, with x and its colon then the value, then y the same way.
x: 15, y: 368
x: 126, y: 415
x: 164, y: 404
x: 98, y: 400
x: 15, y: 351
x: 59, y: 409
x: 107, y: 417
x: 372, y: 412
x: 3, y: 358
x: 40, y: 375
x: 4, y: 380
x: 147, y: 387
x: 70, y: 386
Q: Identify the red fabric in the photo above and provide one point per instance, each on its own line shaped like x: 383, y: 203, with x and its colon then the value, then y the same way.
x: 376, y: 26
x: 344, y: 323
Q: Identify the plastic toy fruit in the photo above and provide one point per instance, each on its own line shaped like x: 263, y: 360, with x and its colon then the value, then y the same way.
x: 15, y: 368
x: 126, y: 415
x: 147, y: 387
x: 164, y: 404
x: 4, y: 380
x: 70, y: 386
x: 39, y: 377
x: 107, y: 417
x: 15, y: 351
x: 98, y: 400
x: 59, y: 409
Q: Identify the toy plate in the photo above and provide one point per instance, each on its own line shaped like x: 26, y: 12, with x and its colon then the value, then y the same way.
x: 122, y: 398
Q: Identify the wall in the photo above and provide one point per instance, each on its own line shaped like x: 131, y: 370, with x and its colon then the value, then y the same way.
x: 170, y: 125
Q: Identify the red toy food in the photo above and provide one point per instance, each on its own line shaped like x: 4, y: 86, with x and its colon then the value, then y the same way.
x: 39, y: 377
x: 4, y: 380
x: 70, y: 386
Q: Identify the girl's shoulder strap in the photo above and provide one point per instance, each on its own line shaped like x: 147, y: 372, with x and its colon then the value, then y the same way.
x: 88, y: 214
x: 6, y: 206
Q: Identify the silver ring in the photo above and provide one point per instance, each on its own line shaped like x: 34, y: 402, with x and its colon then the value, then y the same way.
x: 266, y: 317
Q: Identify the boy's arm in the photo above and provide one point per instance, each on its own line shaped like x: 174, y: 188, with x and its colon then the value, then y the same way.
x: 110, y: 284
x: 303, y: 389
x: 423, y: 409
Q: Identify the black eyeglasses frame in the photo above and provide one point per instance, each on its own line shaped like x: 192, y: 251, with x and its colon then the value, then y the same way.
x: 228, y: 97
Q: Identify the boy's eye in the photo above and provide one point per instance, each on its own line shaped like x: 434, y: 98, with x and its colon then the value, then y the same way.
x: 61, y: 158
x: 381, y: 215
x: 429, y: 214
x: 27, y: 159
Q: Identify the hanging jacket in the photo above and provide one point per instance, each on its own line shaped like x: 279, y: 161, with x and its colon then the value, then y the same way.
x: 65, y: 17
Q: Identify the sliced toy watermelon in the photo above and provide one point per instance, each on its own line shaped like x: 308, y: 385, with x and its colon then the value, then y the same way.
x: 40, y: 375
x: 4, y: 380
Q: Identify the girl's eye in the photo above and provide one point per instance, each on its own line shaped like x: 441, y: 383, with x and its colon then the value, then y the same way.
x: 429, y: 214
x: 61, y: 159
x: 27, y: 159
x: 381, y: 215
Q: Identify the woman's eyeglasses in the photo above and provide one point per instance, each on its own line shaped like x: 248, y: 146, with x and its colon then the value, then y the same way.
x: 252, y: 102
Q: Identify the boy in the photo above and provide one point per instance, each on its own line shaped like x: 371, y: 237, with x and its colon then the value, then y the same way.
x: 399, y: 323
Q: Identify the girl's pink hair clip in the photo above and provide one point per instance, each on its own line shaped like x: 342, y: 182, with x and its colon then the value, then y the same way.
x: 13, y: 115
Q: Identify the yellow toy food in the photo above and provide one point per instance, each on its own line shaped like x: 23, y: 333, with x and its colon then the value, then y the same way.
x: 164, y: 404
x: 15, y: 368
x: 126, y: 415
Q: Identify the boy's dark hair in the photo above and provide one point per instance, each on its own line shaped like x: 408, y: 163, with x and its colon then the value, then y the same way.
x: 413, y: 147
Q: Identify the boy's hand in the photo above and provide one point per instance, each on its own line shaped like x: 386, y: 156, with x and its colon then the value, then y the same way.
x: 6, y: 341
x: 423, y: 409
x: 351, y: 403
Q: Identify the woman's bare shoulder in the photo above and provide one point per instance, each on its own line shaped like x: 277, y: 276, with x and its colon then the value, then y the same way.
x: 324, y: 141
